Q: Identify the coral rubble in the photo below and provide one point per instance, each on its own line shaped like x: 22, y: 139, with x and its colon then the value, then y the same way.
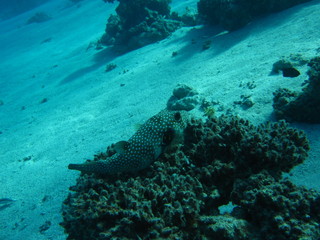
x: 304, y: 106
x: 222, y: 160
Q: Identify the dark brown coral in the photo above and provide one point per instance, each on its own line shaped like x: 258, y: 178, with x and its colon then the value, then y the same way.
x: 139, y: 23
x: 179, y: 196
x: 234, y: 14
x: 281, y: 209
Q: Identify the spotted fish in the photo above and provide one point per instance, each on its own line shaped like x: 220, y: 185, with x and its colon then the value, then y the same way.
x: 143, y: 148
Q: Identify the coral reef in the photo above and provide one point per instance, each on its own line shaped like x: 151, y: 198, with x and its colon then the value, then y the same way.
x: 234, y: 14
x: 283, y: 210
x: 304, y: 106
x: 183, y: 98
x: 179, y: 195
x: 139, y: 23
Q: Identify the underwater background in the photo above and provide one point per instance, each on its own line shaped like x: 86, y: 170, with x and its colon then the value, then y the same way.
x: 234, y: 155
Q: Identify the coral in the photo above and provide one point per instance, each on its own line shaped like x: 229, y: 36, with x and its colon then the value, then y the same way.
x: 174, y: 54
x: 280, y: 66
x: 139, y: 23
x: 288, y: 62
x: 188, y: 18
x: 288, y: 65
x: 209, y: 111
x: 283, y: 210
x: 304, y: 106
x: 228, y: 14
x: 184, y: 98
x: 110, y: 67
x: 225, y: 227
x: 274, y: 147
x: 179, y: 195
x: 246, y: 102
x: 234, y: 14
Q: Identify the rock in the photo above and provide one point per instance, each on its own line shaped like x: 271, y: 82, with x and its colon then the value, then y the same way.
x: 184, y: 98
x: 303, y: 106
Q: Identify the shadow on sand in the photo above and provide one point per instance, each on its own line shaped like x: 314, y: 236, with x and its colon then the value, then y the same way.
x: 100, y: 58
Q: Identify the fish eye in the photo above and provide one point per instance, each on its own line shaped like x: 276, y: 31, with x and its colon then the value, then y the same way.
x: 177, y: 116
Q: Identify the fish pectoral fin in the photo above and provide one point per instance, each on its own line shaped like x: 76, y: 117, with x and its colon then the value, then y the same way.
x: 157, y: 151
x: 121, y: 146
x: 137, y: 126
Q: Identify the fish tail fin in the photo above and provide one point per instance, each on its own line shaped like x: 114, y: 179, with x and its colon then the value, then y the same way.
x: 78, y: 167
x: 85, y: 167
x: 99, y: 167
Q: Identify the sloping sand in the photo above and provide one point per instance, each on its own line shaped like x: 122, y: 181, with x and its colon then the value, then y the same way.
x: 60, y: 105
